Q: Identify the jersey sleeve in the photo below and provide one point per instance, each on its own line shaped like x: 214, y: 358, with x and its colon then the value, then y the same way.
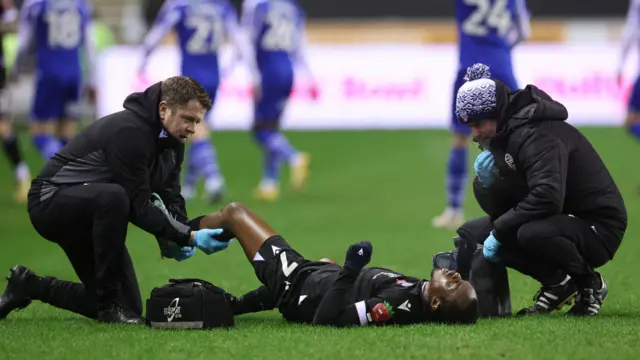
x: 630, y: 32
x: 89, y: 43
x: 241, y: 41
x: 167, y: 18
x: 300, y: 56
x: 253, y: 13
x: 28, y: 14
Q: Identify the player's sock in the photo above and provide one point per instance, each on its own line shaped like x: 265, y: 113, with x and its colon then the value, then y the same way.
x: 189, y: 183
x: 456, y: 177
x: 287, y: 152
x: 635, y: 131
x: 204, y: 162
x: 12, y: 150
x: 64, y: 141
x: 273, y: 152
x: 259, y: 299
x: 47, y: 145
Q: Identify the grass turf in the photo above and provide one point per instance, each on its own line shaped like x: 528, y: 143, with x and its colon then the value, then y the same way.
x: 381, y: 186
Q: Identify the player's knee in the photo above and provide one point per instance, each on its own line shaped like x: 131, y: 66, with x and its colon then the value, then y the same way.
x: 114, y: 198
x: 234, y: 210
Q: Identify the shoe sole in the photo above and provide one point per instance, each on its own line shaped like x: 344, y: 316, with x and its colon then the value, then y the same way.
x: 565, y: 302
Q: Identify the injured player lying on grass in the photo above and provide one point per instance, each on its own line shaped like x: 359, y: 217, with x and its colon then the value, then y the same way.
x: 324, y: 293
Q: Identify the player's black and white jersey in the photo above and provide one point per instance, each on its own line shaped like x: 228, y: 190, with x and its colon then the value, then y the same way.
x: 323, y: 293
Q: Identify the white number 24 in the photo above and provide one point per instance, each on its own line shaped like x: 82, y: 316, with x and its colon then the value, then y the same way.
x: 487, y: 16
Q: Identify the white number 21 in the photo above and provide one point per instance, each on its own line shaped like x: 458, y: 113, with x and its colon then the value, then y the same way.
x: 487, y: 16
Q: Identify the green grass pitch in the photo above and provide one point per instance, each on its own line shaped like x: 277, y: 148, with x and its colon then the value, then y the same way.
x: 379, y: 186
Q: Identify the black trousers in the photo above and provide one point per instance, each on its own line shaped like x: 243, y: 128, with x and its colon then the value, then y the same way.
x: 550, y: 248
x: 89, y: 222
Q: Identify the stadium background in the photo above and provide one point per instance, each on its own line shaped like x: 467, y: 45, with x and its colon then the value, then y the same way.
x: 383, y: 186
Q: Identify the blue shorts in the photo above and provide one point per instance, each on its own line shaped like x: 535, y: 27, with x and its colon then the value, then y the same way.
x: 634, y: 98
x: 459, y: 128
x: 275, y: 94
x: 53, y: 94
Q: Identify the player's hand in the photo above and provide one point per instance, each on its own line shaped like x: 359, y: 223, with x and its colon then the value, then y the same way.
x: 183, y: 253
x: 490, y: 248
x: 619, y: 79
x: 484, y: 165
x: 358, y: 256
x: 90, y: 93
x: 257, y: 91
x: 314, y: 92
x: 206, y: 241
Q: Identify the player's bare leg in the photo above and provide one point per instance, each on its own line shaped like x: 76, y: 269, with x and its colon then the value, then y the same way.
x: 452, y: 217
x: 12, y: 151
x: 241, y: 223
x: 66, y: 129
x: 202, y: 161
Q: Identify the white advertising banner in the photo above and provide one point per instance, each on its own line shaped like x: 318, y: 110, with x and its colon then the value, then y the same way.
x: 389, y: 86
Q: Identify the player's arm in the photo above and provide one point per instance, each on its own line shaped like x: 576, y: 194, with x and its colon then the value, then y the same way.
x: 28, y: 13
x: 240, y: 41
x: 167, y: 18
x: 544, y: 160
x: 331, y: 310
x: 89, y: 46
x: 10, y: 16
x: 171, y: 192
x: 253, y: 17
x: 127, y: 159
x: 300, y: 53
x: 630, y: 32
x: 522, y: 22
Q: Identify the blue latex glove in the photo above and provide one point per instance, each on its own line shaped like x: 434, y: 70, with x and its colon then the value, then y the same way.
x: 490, y: 248
x: 206, y: 241
x: 484, y: 168
x: 358, y: 256
x: 183, y: 253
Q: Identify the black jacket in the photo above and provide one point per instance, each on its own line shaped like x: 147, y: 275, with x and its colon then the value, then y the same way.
x: 130, y: 148
x: 547, y: 167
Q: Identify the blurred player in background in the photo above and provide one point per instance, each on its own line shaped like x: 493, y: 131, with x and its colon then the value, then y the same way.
x: 276, y: 29
x: 630, y: 38
x: 9, y: 139
x: 59, y: 28
x: 202, y: 27
x: 487, y: 32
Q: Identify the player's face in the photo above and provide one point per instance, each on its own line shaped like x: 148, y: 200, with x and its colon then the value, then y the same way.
x: 482, y: 131
x: 181, y: 121
x: 448, y: 285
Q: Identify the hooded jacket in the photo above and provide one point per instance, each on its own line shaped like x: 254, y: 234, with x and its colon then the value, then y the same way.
x: 130, y: 148
x: 549, y: 168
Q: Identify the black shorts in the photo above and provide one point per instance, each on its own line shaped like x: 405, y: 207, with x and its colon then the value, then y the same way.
x: 277, y: 266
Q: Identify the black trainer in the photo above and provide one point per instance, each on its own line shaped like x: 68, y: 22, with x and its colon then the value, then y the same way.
x: 589, y: 301
x: 116, y: 314
x: 15, y: 294
x: 551, y: 298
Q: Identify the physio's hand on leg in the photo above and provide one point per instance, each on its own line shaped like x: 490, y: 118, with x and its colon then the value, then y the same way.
x: 358, y: 256
x: 490, y: 248
x: 206, y: 240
